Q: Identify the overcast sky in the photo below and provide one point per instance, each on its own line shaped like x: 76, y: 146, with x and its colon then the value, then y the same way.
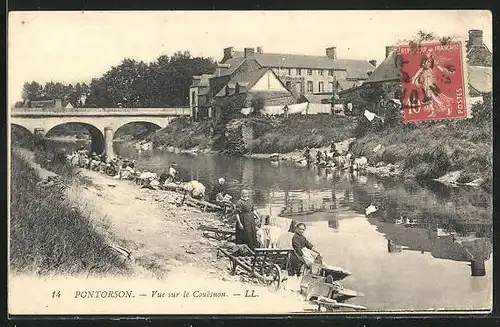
x: 76, y: 46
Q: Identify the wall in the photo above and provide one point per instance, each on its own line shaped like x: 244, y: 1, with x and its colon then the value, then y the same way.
x: 272, y: 98
x: 269, y: 82
x: 315, y: 78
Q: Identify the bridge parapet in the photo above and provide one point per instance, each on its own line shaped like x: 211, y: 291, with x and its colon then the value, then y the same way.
x: 178, y: 111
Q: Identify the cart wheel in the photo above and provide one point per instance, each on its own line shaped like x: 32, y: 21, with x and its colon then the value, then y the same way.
x: 275, y: 283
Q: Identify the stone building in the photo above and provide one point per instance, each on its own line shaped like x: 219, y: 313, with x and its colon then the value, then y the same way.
x: 293, y: 76
x: 308, y: 74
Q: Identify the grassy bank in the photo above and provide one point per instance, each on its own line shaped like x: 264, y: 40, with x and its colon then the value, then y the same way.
x: 184, y: 134
x: 422, y: 150
x: 430, y: 150
x: 48, y: 234
x: 269, y: 135
x: 297, y: 132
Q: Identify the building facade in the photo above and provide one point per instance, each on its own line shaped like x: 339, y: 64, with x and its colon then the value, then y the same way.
x: 285, y: 78
x: 308, y: 74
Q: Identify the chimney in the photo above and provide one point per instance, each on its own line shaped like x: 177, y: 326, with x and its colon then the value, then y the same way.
x: 249, y: 52
x: 259, y: 50
x: 389, y: 49
x: 58, y: 103
x: 219, y: 66
x: 373, y: 62
x: 475, y: 38
x: 228, y: 53
x: 331, y: 53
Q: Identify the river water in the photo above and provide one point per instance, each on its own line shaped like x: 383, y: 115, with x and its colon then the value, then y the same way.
x: 438, y: 234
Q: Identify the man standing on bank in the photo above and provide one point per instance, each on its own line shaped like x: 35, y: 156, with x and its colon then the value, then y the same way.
x: 246, y: 231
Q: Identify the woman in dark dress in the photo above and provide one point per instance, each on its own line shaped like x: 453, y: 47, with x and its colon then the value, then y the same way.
x: 299, y: 242
x: 246, y: 231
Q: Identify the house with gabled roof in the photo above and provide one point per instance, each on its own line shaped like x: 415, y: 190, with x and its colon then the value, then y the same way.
x: 241, y: 85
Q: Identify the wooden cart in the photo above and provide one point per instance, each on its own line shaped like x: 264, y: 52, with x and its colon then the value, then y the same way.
x: 270, y: 266
x: 220, y: 234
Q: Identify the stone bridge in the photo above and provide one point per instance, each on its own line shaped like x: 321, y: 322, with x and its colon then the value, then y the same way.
x: 100, y: 122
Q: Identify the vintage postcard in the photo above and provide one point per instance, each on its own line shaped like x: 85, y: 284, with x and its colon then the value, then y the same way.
x: 250, y: 162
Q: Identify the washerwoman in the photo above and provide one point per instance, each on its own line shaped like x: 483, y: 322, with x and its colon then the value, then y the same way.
x: 246, y: 231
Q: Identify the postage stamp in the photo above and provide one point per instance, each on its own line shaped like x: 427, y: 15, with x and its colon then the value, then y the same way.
x: 433, y: 81
x: 161, y: 163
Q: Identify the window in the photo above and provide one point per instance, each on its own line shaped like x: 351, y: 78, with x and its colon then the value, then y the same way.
x: 297, y: 71
x: 321, y: 72
x: 310, y: 87
x: 320, y: 87
x: 288, y: 85
x: 309, y: 72
x: 330, y: 72
x: 289, y: 72
x: 330, y: 86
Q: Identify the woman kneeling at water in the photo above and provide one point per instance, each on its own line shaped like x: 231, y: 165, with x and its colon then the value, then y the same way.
x: 300, y: 256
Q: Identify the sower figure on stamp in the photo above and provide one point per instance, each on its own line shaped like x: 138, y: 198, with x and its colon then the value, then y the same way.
x: 246, y: 231
x: 424, y: 77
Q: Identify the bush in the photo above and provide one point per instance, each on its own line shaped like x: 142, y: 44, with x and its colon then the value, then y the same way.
x: 184, y: 134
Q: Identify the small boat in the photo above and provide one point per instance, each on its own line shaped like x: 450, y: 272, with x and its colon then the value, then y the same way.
x: 337, y: 273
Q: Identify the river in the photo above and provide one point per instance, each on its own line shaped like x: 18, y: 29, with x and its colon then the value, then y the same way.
x: 437, y: 234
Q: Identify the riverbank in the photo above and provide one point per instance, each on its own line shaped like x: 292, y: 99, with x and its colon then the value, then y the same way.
x: 158, y: 241
x: 48, y: 232
x: 423, y: 151
x: 160, y: 236
x: 131, y: 217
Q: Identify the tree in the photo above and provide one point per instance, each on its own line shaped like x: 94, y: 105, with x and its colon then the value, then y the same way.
x: 258, y: 103
x: 32, y: 91
x: 162, y: 83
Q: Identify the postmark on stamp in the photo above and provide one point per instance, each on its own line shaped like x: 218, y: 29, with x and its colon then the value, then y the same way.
x: 432, y: 81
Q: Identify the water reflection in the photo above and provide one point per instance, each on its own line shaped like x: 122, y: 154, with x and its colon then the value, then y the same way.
x: 333, y: 223
x: 415, y: 224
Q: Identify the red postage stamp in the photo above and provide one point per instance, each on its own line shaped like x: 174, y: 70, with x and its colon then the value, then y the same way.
x: 433, y: 82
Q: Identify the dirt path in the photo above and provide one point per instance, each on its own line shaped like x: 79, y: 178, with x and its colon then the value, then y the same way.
x: 149, y: 223
x: 165, y: 242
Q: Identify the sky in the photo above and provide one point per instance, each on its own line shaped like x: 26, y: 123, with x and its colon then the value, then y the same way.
x: 76, y: 46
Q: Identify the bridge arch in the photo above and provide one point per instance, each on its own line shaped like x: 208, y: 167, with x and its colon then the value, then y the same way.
x: 140, y: 128
x: 96, y: 136
x: 20, y: 135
